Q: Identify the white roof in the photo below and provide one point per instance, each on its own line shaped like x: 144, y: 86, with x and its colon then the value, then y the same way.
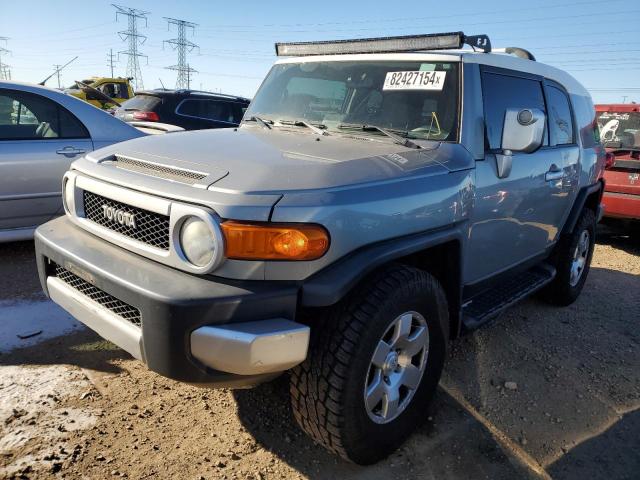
x: 501, y: 60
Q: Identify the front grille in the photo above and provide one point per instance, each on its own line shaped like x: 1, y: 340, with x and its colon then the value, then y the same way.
x: 189, y: 177
x: 150, y: 228
x: 120, y: 308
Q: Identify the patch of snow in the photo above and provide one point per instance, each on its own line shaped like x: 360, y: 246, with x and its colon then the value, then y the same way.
x: 27, y: 317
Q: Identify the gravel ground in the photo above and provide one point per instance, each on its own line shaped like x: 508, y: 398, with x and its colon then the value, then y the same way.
x: 540, y: 393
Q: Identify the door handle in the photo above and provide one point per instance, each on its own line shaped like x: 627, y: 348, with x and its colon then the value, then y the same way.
x: 554, y: 173
x: 70, y: 151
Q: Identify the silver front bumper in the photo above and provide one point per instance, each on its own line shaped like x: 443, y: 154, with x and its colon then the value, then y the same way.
x: 245, y: 348
x: 251, y: 348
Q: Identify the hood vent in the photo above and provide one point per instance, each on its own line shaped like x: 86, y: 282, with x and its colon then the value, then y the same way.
x: 181, y: 175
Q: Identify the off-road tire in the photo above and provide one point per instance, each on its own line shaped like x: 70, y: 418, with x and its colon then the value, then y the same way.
x: 560, y: 291
x: 327, y: 389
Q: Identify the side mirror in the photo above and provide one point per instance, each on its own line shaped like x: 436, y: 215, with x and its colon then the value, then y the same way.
x: 522, y: 131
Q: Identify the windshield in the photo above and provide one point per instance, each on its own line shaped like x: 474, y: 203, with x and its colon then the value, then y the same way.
x: 619, y: 129
x: 415, y: 99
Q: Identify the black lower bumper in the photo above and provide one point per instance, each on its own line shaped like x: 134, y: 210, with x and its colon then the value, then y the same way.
x: 172, y: 304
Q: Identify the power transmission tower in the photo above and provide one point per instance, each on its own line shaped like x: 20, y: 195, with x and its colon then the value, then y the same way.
x: 110, y: 57
x: 135, y: 39
x: 182, y: 45
x: 57, y: 69
x: 5, y: 70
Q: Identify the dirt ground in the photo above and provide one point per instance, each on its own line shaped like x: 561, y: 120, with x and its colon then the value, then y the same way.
x: 73, y: 406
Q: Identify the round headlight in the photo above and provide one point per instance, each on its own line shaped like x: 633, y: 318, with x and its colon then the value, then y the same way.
x: 197, y: 241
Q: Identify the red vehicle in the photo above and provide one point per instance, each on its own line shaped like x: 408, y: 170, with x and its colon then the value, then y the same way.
x: 620, y: 134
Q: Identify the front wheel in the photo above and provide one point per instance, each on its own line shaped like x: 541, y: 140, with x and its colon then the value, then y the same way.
x: 373, y: 365
x: 572, y: 261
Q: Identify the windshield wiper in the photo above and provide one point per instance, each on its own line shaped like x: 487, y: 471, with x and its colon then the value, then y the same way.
x: 405, y: 142
x: 264, y: 122
x: 317, y: 129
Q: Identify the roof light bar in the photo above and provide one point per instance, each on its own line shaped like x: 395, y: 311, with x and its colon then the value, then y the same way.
x: 407, y: 43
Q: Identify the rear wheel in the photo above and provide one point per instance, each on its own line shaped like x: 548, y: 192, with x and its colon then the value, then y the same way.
x: 573, y: 259
x: 373, y: 365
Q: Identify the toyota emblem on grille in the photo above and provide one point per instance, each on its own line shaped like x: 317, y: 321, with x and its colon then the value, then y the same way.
x: 118, y: 215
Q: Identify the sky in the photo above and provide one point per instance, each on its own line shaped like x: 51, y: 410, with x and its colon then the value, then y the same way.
x: 595, y: 41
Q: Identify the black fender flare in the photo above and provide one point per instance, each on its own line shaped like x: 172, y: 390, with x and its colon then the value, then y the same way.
x: 331, y: 284
x: 578, y: 205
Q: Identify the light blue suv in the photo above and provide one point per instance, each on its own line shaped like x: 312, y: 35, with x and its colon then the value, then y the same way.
x: 379, y: 198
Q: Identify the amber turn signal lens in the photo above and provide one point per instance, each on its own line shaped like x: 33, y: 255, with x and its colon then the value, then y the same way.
x: 274, y: 241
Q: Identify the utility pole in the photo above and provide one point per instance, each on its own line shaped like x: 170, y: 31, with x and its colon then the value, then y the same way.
x: 5, y: 70
x: 135, y: 40
x: 110, y: 58
x: 624, y: 98
x: 57, y: 70
x: 182, y: 45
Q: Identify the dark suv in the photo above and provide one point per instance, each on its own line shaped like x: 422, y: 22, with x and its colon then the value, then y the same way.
x: 189, y: 109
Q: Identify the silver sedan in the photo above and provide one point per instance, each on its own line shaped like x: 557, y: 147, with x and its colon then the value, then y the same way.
x: 41, y: 132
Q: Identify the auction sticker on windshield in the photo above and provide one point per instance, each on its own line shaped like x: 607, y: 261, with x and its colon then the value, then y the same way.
x: 414, y: 80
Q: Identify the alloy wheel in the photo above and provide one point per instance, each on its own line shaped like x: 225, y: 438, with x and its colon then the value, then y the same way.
x: 580, y: 258
x: 396, y: 367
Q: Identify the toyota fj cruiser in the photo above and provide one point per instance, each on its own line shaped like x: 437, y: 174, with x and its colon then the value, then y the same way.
x: 378, y: 198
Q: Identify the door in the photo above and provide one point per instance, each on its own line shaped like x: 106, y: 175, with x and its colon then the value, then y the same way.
x: 38, y: 141
x: 518, y: 217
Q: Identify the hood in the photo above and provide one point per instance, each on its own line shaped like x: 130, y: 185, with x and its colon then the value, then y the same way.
x: 255, y: 160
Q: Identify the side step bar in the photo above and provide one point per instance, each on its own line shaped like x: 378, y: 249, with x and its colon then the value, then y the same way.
x: 484, y: 306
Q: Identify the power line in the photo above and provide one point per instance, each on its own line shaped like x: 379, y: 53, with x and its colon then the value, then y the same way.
x: 182, y: 45
x: 618, y: 89
x: 57, y: 34
x: 492, y: 22
x: 574, y: 53
x: 135, y: 39
x: 401, y: 19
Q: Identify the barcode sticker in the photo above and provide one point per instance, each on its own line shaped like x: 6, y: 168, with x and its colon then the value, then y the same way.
x: 414, y: 80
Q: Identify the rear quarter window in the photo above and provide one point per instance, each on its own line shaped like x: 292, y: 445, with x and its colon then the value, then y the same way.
x: 587, y: 124
x: 560, y: 121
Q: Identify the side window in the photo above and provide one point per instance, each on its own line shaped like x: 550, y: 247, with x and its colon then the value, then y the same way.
x: 26, y: 116
x: 70, y: 126
x: 500, y: 92
x: 209, y: 109
x: 121, y: 90
x: 189, y: 108
x: 109, y: 89
x: 237, y: 110
x: 560, y: 121
x: 218, y: 111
